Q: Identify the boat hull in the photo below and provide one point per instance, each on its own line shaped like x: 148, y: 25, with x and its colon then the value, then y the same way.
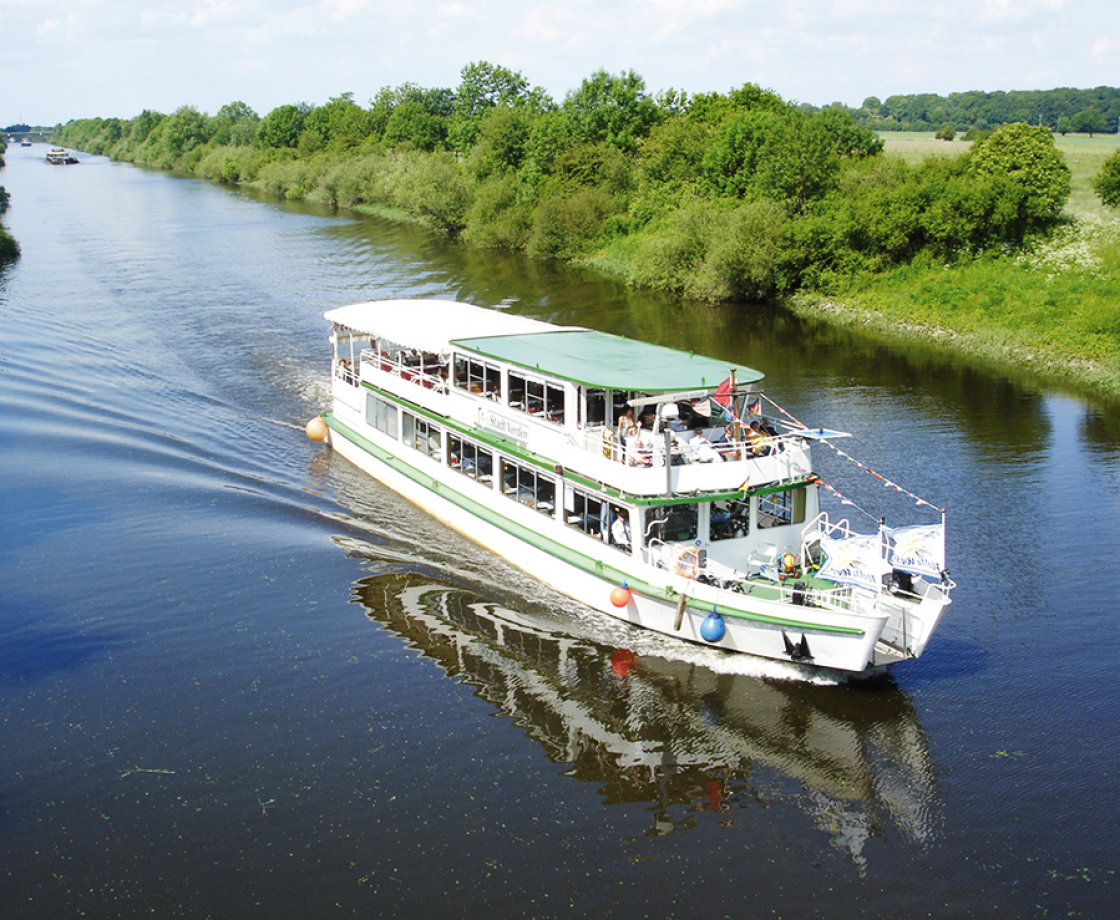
x: 769, y: 628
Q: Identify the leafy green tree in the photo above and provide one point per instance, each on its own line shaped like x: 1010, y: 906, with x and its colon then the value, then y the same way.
x: 612, y: 109
x: 714, y: 108
x: 731, y: 159
x: 674, y: 150
x: 1107, y: 182
x: 185, y: 129
x: 848, y: 138
x: 484, y: 86
x: 143, y: 125
x: 503, y: 134
x: 282, y: 126
x: 946, y: 132
x: 235, y: 111
x: 1026, y: 156
x: 1089, y: 121
x: 339, y: 125
x: 412, y: 123
x: 551, y: 135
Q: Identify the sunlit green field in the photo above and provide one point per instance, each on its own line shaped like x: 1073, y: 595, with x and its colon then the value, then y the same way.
x: 1054, y: 310
x: 1083, y: 154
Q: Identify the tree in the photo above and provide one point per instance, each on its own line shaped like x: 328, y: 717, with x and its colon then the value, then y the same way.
x: 412, y: 123
x: 282, y: 126
x: 946, y: 132
x: 485, y: 85
x: 339, y: 125
x: 1089, y: 121
x: 237, y: 110
x: 611, y: 109
x: 1107, y: 182
x: 1026, y: 155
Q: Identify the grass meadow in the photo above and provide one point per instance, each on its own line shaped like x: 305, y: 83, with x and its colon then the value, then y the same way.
x: 1053, y: 312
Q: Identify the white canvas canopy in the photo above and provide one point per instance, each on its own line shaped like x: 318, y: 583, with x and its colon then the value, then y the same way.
x: 431, y: 325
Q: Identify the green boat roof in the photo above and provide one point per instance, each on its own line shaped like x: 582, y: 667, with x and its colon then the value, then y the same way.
x: 598, y: 359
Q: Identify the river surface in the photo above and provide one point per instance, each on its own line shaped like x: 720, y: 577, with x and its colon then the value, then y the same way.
x: 239, y: 679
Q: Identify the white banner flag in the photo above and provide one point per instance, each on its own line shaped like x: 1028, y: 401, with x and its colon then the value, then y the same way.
x: 855, y: 561
x: 919, y: 549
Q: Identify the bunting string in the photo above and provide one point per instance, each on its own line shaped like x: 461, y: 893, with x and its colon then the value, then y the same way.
x: 887, y: 483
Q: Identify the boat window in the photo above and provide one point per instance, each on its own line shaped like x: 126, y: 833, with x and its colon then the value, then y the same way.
x: 478, y: 377
x: 584, y: 511
x: 470, y: 459
x: 381, y: 415
x: 423, y: 435
x: 528, y: 486
x: 780, y: 508
x: 594, y: 407
x: 672, y: 523
x: 727, y: 520
x: 540, y: 399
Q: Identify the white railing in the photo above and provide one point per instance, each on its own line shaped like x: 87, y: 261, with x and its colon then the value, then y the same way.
x: 431, y: 378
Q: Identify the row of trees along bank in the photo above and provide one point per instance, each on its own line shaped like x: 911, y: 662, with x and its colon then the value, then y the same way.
x: 9, y: 248
x: 737, y: 195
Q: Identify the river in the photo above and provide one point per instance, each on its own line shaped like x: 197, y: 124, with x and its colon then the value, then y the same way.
x: 240, y: 679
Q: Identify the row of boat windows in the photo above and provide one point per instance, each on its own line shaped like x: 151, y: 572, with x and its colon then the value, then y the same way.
x: 518, y: 391
x: 522, y: 392
x: 581, y: 509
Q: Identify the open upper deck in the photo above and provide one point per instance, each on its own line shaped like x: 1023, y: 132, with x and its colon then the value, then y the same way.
x: 560, y: 393
x: 571, y: 353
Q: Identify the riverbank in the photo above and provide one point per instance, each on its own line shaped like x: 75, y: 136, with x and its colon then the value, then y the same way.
x: 1053, y: 313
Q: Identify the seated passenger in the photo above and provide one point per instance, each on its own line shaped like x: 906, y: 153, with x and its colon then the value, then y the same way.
x: 638, y: 447
x: 702, y: 449
x: 757, y: 443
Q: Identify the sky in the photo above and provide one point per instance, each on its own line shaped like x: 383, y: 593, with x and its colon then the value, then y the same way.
x: 68, y: 59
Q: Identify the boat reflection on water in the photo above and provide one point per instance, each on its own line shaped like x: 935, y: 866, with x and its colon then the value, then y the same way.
x: 674, y: 734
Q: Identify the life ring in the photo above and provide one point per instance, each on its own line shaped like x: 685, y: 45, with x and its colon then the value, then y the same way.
x: 687, y: 563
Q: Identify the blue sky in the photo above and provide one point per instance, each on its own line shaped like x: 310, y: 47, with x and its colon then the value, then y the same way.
x: 66, y: 59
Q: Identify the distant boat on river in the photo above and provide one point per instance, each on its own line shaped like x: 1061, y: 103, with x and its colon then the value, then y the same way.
x: 60, y: 157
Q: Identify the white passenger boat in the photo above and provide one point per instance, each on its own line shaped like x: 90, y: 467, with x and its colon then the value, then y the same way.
x: 60, y: 157
x: 645, y: 482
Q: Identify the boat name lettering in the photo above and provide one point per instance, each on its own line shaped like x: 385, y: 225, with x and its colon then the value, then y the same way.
x: 499, y: 424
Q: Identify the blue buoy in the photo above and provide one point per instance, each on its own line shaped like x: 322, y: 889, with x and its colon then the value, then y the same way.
x: 713, y: 627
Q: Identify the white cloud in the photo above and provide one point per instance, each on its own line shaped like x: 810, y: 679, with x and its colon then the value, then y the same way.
x: 80, y: 58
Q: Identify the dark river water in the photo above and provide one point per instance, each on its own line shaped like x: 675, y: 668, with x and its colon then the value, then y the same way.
x: 239, y: 679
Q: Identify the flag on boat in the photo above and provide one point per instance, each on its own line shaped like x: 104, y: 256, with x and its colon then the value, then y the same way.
x: 723, y: 394
x: 755, y: 408
x: 703, y: 407
x: 919, y: 548
x: 857, y: 560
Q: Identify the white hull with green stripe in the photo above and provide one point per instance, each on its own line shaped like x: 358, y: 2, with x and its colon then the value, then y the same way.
x: 513, y: 432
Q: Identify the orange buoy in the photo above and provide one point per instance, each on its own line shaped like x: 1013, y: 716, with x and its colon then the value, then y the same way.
x: 316, y: 429
x: 620, y: 596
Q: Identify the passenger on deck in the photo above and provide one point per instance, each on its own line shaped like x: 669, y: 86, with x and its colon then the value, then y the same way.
x: 620, y: 530
x: 757, y: 443
x: 626, y: 425
x: 702, y: 449
x: 638, y: 447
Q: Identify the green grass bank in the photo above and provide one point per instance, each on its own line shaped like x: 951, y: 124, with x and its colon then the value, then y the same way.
x: 1052, y: 311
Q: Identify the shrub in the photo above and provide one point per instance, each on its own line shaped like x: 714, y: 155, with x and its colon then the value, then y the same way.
x: 1107, y: 182
x: 565, y: 224
x: 499, y: 216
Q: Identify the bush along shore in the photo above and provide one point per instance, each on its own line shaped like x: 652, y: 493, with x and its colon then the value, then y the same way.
x: 9, y: 248
x: 729, y: 198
